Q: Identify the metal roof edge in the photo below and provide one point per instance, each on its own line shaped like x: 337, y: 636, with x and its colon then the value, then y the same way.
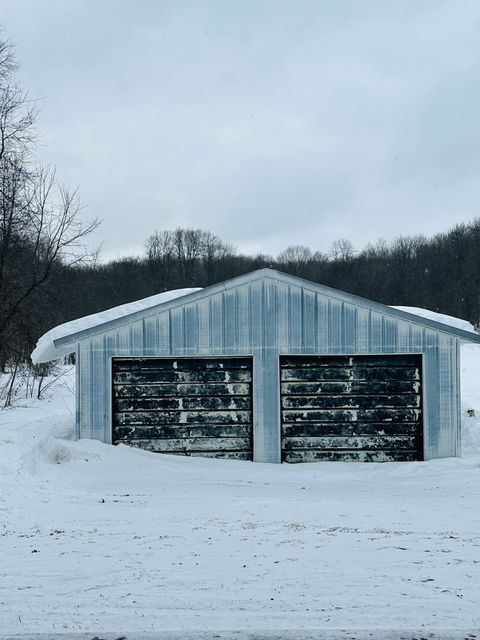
x: 273, y: 274
x: 377, y: 306
x: 163, y: 306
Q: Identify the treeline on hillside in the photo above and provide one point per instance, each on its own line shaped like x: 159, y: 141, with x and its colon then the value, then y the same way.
x: 441, y: 273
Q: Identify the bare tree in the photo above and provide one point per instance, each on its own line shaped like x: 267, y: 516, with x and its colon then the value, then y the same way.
x: 188, y: 243
x: 378, y: 250
x: 342, y: 250
x: 193, y: 253
x: 160, y: 257
x: 295, y: 254
x: 18, y: 112
x: 214, y: 252
x: 40, y: 228
x: 159, y: 246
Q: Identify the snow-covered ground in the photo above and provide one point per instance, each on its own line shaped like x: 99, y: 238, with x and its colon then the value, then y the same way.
x: 99, y: 538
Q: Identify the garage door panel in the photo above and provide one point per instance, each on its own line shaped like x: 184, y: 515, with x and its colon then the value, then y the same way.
x: 166, y: 445
x: 350, y: 373
x: 357, y: 387
x: 210, y: 450
x: 367, y: 443
x: 182, y: 364
x: 181, y: 390
x: 225, y: 455
x: 352, y: 415
x: 151, y: 376
x: 349, y: 429
x: 189, y: 406
x: 365, y: 408
x: 349, y: 456
x: 133, y: 432
x: 183, y: 417
x: 350, y: 401
x: 313, y: 362
x: 211, y: 403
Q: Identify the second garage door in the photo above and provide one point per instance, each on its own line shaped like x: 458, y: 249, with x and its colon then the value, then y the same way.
x: 189, y: 406
x: 357, y: 408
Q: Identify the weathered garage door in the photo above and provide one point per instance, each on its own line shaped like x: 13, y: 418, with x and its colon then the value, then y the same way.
x: 189, y: 406
x: 360, y: 408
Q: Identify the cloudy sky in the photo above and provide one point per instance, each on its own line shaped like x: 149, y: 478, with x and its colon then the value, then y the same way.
x: 269, y: 123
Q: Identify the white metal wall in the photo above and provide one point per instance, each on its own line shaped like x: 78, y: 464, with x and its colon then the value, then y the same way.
x: 266, y: 318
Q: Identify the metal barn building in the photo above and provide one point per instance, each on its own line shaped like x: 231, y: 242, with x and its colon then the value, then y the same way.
x: 270, y: 367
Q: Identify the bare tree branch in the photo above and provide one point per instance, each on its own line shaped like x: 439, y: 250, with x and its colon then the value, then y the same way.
x: 40, y: 223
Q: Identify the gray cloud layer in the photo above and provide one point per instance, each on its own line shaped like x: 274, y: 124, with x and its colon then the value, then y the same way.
x: 268, y: 123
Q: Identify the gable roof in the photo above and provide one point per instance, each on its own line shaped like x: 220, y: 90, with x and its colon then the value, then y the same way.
x: 47, y: 347
x: 62, y: 339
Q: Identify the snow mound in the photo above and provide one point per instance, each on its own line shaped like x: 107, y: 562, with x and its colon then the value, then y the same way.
x: 452, y: 321
x: 46, y: 349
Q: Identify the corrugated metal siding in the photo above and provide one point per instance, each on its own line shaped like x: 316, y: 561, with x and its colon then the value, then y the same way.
x: 265, y: 318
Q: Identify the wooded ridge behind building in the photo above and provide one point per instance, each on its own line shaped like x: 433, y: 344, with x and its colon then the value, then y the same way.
x: 441, y: 273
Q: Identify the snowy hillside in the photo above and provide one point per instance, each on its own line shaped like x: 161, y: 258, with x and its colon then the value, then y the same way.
x: 99, y: 538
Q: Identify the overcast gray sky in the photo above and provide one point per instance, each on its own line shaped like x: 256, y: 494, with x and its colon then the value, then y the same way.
x: 267, y: 123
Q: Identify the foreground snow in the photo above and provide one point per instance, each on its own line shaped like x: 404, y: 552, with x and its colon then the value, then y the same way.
x: 99, y: 538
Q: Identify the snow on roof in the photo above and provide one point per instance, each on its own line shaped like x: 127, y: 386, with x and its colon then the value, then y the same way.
x: 452, y: 321
x: 46, y: 349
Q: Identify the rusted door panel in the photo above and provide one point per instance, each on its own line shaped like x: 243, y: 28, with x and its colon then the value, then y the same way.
x: 184, y: 406
x: 357, y: 408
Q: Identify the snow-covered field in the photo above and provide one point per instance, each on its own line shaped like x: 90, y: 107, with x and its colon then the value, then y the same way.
x: 109, y: 539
